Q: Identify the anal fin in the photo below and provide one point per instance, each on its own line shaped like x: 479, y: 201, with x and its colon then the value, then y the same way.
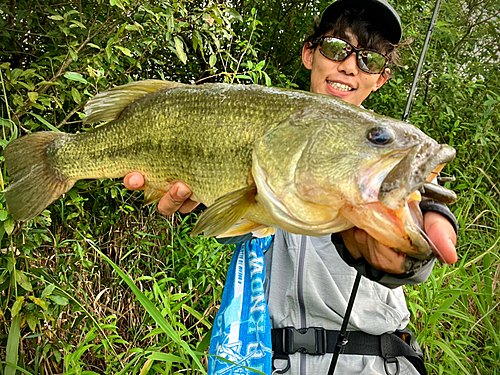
x: 225, y: 212
x: 264, y: 232
x: 242, y: 227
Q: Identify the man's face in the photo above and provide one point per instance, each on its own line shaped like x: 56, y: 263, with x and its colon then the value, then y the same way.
x: 341, y: 79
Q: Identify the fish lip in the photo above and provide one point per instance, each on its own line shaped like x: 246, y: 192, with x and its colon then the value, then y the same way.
x: 413, y: 224
x: 410, y: 174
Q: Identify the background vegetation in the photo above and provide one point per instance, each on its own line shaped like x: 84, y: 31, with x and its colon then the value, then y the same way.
x: 65, y: 309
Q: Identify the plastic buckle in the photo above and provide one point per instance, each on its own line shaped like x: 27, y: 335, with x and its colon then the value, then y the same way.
x: 308, y: 340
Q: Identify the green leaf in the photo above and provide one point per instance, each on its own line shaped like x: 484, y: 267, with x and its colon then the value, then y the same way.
x: 11, y: 352
x: 73, y: 54
x: 57, y: 354
x: 39, y: 302
x: 56, y: 18
x: 74, y: 76
x: 197, y: 315
x: 48, y: 290
x: 179, y: 48
x: 33, y: 96
x: 8, y: 225
x: 212, y: 60
x: 47, y: 83
x: 167, y: 357
x: 233, y: 13
x: 78, y: 23
x: 69, y: 13
x: 131, y: 28
x: 45, y: 122
x: 124, y: 50
x: 490, y: 102
x: 32, y: 321
x: 23, y: 281
x: 2, y: 233
x: 59, y: 300
x: 117, y: 3
x: 3, y: 215
x: 76, y: 95
x: 260, y: 65
x: 16, y: 307
x: 268, y: 80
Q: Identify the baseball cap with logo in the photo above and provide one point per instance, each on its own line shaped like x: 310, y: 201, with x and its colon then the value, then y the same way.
x: 378, y: 13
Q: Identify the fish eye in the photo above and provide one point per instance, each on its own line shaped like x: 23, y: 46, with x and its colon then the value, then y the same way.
x: 380, y: 136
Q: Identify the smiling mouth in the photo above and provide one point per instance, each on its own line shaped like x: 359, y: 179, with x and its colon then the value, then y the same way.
x: 340, y: 86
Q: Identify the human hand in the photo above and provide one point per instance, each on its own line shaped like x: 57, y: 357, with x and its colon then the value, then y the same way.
x: 438, y: 229
x: 176, y: 199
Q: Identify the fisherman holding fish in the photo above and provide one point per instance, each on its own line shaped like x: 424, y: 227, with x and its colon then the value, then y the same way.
x: 308, y: 282
x: 286, y: 294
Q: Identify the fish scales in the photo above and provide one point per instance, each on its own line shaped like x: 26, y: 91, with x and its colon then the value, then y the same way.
x: 306, y: 162
x: 188, y: 139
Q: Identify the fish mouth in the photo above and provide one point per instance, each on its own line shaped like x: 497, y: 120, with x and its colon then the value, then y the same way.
x: 400, y: 192
x: 391, y: 189
x: 410, y: 174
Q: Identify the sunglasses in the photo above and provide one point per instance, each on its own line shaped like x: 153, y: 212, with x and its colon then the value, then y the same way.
x: 337, y: 49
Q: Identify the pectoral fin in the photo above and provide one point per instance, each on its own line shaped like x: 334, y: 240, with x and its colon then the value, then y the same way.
x: 225, y: 212
x: 152, y: 195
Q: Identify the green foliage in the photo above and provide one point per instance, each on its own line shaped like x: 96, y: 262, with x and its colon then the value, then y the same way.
x: 64, y: 309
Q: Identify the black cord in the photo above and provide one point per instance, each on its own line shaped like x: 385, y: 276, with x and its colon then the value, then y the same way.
x: 343, y: 329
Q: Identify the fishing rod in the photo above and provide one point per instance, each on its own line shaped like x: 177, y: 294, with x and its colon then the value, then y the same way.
x: 409, y: 102
x: 341, y: 339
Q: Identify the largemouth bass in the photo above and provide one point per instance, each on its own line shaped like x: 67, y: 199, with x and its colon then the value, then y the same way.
x: 257, y: 157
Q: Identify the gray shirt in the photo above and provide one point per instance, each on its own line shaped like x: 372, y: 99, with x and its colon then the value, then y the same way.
x: 308, y: 285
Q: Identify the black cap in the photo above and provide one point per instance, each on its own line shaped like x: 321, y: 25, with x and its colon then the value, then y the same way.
x: 379, y: 13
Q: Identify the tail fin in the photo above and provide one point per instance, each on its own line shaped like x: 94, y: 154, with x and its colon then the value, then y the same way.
x: 35, y: 183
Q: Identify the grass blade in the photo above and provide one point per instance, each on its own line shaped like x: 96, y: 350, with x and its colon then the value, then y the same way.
x: 13, y: 345
x: 152, y: 310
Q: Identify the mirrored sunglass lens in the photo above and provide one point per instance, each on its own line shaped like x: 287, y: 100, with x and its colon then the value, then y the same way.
x: 334, y: 49
x: 371, y: 62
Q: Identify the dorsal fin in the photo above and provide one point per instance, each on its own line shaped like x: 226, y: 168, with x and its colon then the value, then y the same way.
x: 108, y: 105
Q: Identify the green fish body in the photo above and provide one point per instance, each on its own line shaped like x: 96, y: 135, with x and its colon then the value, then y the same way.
x: 308, y: 163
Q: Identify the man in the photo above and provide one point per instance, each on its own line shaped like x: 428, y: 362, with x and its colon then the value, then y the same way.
x: 308, y: 282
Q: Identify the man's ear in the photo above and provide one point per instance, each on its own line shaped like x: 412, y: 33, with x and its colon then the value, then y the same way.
x: 382, y: 79
x: 307, y: 55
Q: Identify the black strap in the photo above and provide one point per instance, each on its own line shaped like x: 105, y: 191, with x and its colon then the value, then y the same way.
x: 341, y: 339
x: 317, y: 341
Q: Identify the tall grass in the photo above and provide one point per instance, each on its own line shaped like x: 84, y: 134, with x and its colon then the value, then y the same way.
x: 456, y: 312
x: 151, y: 312
x: 81, y: 316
